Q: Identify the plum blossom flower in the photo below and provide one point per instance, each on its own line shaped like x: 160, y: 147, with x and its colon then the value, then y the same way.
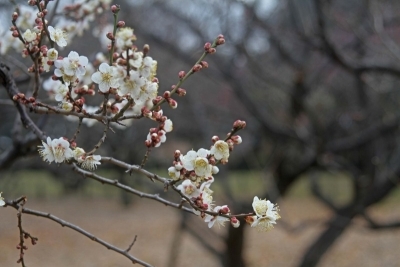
x: 106, y: 77
x: 220, y: 220
x: 220, y: 150
x: 74, y: 65
x: 60, y: 91
x: 125, y: 38
x: 266, y: 214
x: 90, y: 162
x: 198, y: 162
x: 168, y: 126
x: 189, y: 189
x: 52, y: 54
x: 56, y: 150
x: 57, y: 35
x: 2, y: 203
x: 29, y: 36
x: 174, y: 173
x: 131, y: 85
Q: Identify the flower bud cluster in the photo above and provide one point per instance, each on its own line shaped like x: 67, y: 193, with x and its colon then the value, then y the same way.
x: 157, y: 136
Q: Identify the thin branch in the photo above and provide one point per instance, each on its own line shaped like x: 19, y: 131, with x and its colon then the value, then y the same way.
x: 63, y: 223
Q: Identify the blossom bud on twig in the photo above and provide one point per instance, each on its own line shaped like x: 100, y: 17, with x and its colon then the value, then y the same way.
x: 235, y: 222
x: 181, y: 74
x: 181, y: 92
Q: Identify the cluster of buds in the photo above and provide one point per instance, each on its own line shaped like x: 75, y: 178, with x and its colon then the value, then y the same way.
x: 157, y: 136
x: 20, y: 97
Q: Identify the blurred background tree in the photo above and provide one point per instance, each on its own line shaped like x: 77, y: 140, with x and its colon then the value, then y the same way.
x: 315, y: 80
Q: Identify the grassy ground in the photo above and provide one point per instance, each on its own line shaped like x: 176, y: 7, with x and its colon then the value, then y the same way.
x: 96, y: 208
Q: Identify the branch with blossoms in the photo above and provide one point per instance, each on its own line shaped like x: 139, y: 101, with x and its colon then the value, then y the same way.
x: 125, y: 78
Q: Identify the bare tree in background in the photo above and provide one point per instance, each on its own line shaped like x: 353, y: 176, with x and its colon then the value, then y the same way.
x: 319, y: 79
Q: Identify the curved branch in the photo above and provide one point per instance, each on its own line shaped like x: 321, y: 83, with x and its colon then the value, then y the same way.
x: 63, y: 223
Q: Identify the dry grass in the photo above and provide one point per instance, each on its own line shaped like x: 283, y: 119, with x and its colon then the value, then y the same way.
x: 156, y: 226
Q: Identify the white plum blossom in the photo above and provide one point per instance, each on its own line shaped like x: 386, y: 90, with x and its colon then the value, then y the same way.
x: 220, y: 150
x: 106, y: 77
x: 2, y: 203
x: 266, y: 214
x: 198, y: 162
x: 189, y: 189
x: 148, y: 68
x: 56, y: 150
x: 29, y: 36
x: 57, y: 35
x: 90, y: 162
x: 220, y: 220
x: 60, y: 91
x: 66, y: 106
x: 125, y: 38
x: 174, y: 173
x: 168, y: 126
x: 263, y: 224
x: 74, y: 65
x: 131, y: 85
x: 52, y: 54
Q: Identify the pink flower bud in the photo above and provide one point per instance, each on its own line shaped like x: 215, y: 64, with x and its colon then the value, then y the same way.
x: 177, y: 154
x: 239, y: 124
x: 211, y: 51
x: 215, y: 138
x: 235, y: 222
x: 224, y: 210
x: 110, y: 36
x: 181, y: 92
x: 148, y: 143
x: 14, y: 16
x: 197, y: 68
x: 15, y: 34
x: 220, y: 41
x: 181, y: 74
x: 207, y: 46
x: 236, y: 139
x: 121, y: 24
x: 146, y: 49
x: 167, y: 94
x: 204, y: 64
x: 115, y: 9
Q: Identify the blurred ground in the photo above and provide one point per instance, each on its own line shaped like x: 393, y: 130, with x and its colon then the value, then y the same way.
x: 155, y: 226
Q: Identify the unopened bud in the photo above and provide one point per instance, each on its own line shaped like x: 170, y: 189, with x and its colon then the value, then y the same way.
x: 115, y: 9
x: 236, y: 139
x: 211, y: 50
x: 14, y: 16
x: 249, y: 219
x: 15, y: 34
x: 181, y: 92
x: 235, y: 222
x: 121, y: 24
x: 177, y: 154
x: 197, y: 68
x: 172, y: 103
x: 204, y: 64
x: 181, y: 74
x: 215, y: 138
x: 207, y: 46
x: 224, y: 210
x: 148, y: 143
x: 239, y: 124
x: 167, y: 94
x: 110, y: 36
x: 146, y: 49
